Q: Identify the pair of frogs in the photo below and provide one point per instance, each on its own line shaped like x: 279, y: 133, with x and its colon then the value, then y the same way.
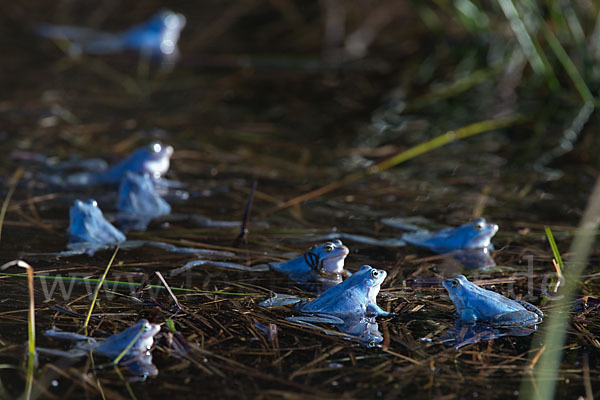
x: 140, y: 179
x: 357, y: 294
x: 138, y: 201
x: 322, y: 267
x: 473, y: 303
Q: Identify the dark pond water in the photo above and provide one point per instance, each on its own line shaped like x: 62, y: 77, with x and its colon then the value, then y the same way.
x: 259, y: 95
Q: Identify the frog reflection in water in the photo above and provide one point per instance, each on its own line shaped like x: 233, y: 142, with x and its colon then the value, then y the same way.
x: 323, y: 264
x: 363, y: 329
x: 139, y: 338
x: 138, y: 202
x: 153, y: 160
x: 469, y: 243
x: 157, y: 37
x: 475, y: 304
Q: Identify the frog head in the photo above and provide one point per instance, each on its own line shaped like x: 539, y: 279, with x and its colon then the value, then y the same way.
x: 159, y: 34
x: 139, y: 338
x: 369, y: 279
x: 475, y: 234
x: 459, y: 290
x: 173, y: 24
x: 154, y: 159
x: 327, y: 258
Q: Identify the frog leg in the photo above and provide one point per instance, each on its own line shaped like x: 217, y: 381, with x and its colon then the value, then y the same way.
x: 469, y: 315
x: 532, y: 308
x: 73, y: 353
x: 280, y: 300
x: 318, y: 318
x: 513, y: 318
x: 374, y: 309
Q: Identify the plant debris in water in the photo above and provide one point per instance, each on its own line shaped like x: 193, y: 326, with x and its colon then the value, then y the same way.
x: 292, y: 124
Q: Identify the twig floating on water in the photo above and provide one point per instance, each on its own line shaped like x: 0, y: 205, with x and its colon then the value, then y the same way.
x: 168, y: 289
x: 244, y: 225
x: 12, y: 185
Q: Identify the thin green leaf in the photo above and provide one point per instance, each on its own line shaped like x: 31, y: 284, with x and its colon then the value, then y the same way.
x: 554, y: 247
x: 89, y: 314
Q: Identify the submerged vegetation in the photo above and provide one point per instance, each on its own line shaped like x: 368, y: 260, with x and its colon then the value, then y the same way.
x: 305, y: 120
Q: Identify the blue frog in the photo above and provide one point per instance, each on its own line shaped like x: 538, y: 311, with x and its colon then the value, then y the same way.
x: 134, y: 345
x: 89, y: 231
x: 355, y: 296
x: 321, y: 263
x: 153, y: 160
x: 155, y: 38
x: 138, y: 202
x: 139, y: 336
x: 475, y: 304
x: 473, y: 235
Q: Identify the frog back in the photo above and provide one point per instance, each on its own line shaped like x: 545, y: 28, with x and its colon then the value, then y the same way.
x: 488, y: 304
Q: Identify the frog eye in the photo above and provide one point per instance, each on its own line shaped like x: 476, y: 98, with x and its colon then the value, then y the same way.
x: 479, y: 225
x: 454, y: 283
x: 328, y: 248
x: 155, y: 147
x: 374, y: 273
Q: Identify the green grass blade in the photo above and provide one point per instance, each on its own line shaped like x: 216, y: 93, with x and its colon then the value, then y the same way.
x: 448, y: 137
x: 98, y: 287
x: 554, y: 247
x: 567, y: 64
x: 439, y: 141
x: 455, y: 88
x: 12, y: 185
x: 98, y: 383
x: 129, y: 345
x: 547, y: 367
x: 523, y: 37
x: 31, y: 355
x: 127, y: 385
